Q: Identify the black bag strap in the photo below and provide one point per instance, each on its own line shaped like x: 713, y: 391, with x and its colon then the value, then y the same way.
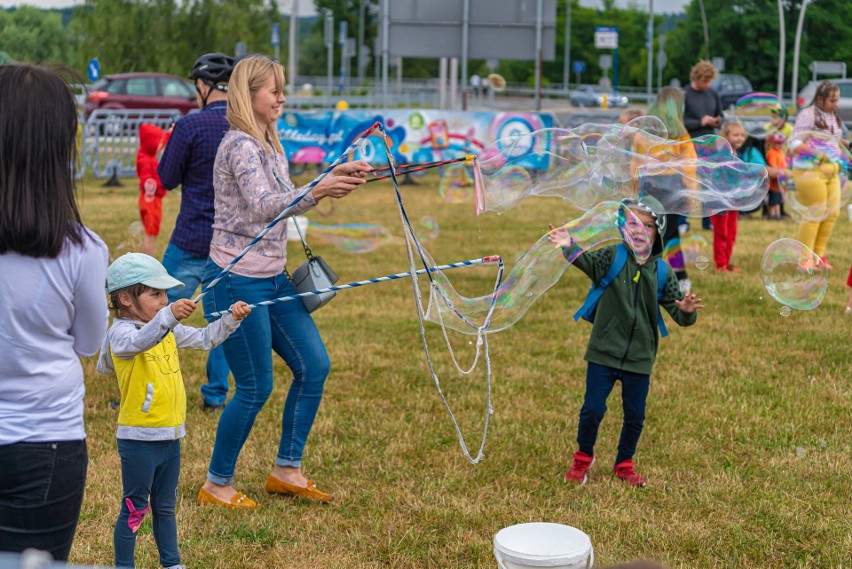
x: 308, y: 252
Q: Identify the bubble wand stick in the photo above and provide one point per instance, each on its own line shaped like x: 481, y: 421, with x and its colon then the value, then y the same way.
x: 473, y: 262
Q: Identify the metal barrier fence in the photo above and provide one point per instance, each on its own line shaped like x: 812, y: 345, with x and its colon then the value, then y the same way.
x: 110, y: 140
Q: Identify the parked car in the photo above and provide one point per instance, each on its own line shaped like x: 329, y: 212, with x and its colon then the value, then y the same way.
x: 844, y: 106
x: 588, y: 96
x: 141, y: 91
x: 731, y: 88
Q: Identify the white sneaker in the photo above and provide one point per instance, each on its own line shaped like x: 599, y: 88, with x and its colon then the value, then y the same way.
x: 685, y: 285
x: 683, y: 229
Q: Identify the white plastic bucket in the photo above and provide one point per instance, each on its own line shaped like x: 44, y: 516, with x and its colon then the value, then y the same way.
x: 543, y: 545
x: 292, y: 234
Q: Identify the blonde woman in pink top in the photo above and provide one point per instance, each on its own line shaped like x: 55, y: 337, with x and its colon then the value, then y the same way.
x: 252, y: 184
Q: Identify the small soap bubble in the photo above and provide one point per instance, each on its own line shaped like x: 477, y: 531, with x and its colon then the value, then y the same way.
x: 786, y: 311
x: 491, y: 411
x: 801, y: 452
x: 529, y: 295
x: 823, y: 443
x: 702, y: 262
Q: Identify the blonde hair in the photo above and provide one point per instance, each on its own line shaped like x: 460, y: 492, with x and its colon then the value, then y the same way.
x: 728, y: 126
x: 248, y: 77
x: 628, y: 115
x: 702, y: 70
x: 668, y: 107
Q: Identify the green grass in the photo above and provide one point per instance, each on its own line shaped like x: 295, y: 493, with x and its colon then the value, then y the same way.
x: 731, y: 400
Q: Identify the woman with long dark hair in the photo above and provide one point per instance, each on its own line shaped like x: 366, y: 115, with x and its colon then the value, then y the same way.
x: 53, y: 311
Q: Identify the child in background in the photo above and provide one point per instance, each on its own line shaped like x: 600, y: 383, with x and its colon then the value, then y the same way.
x: 776, y: 166
x: 778, y: 123
x: 628, y: 115
x: 624, y: 339
x: 152, y: 140
x: 725, y: 223
x: 141, y: 349
x: 848, y: 310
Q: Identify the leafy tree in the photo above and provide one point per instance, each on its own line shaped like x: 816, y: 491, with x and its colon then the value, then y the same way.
x: 745, y: 33
x: 35, y: 36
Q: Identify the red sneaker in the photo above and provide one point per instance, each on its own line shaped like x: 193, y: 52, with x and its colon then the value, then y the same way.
x: 825, y: 262
x: 579, y: 471
x: 624, y: 470
x: 733, y: 269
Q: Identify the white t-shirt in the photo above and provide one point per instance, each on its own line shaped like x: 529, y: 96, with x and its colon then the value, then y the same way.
x: 52, y: 311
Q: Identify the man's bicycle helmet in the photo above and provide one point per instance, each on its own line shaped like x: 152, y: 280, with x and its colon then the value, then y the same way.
x: 214, y: 69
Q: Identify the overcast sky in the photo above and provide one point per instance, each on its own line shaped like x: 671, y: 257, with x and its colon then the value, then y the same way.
x: 306, y: 6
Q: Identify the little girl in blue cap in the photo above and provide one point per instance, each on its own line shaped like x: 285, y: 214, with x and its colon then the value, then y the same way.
x: 141, y: 349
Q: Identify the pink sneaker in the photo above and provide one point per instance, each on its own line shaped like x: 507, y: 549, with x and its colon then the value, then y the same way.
x: 624, y: 470
x: 579, y: 471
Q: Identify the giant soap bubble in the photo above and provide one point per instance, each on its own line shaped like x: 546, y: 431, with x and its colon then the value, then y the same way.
x: 601, y: 162
x: 536, y: 271
x: 793, y: 274
x: 760, y: 113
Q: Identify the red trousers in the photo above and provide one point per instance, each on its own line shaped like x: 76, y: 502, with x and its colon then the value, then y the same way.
x: 724, y: 235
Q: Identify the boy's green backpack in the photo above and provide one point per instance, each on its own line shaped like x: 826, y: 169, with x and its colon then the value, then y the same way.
x: 587, y: 311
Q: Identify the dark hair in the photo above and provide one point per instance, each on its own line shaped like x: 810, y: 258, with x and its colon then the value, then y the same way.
x: 134, y: 291
x: 823, y: 91
x: 38, y: 153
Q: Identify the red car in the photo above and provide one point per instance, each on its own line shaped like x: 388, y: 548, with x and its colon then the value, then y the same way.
x: 141, y: 91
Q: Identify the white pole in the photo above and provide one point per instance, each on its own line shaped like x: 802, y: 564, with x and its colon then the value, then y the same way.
x: 291, y: 57
x: 795, y: 86
x: 650, y: 40
x: 442, y: 83
x: 566, y: 72
x: 454, y: 81
x: 782, y: 49
x: 385, y: 54
x: 538, y: 17
x: 465, y: 41
x: 706, y: 34
x: 362, y: 7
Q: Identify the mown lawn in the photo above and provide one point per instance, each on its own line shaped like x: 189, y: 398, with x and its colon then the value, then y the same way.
x: 746, y: 444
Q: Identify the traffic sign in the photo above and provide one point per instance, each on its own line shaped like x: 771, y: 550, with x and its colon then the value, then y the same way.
x: 606, y: 37
x: 276, y: 38
x: 94, y: 69
x: 579, y: 66
x: 605, y: 61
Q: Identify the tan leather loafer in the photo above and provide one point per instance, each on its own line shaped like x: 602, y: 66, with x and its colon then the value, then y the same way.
x: 238, y: 502
x: 311, y: 492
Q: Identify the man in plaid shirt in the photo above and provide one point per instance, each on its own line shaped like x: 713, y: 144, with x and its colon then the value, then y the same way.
x: 188, y: 162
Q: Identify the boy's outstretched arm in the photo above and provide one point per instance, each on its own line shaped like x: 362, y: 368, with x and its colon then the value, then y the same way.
x: 594, y: 263
x: 682, y: 308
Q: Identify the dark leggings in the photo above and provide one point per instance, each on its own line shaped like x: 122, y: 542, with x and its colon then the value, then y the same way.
x: 634, y: 392
x: 41, y: 491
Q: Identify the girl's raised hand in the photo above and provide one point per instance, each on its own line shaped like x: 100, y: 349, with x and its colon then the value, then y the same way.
x: 240, y: 310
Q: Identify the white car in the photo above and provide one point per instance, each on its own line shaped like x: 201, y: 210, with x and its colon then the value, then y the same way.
x: 844, y: 107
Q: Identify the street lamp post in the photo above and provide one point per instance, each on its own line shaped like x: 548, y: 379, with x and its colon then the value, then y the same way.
x: 567, y: 69
x: 706, y: 34
x: 796, y: 46
x: 650, y: 44
x: 782, y: 49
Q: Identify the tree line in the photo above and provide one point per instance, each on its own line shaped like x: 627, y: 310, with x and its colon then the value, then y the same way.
x: 167, y: 36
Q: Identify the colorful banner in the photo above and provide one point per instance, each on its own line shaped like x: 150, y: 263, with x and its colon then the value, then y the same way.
x: 317, y: 137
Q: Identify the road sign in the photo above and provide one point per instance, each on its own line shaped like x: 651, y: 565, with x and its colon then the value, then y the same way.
x: 276, y: 39
x: 94, y: 69
x: 605, y: 61
x: 662, y: 59
x: 579, y: 66
x: 606, y: 37
x: 719, y: 63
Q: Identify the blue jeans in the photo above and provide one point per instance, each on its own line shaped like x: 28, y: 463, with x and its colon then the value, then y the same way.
x: 189, y: 270
x: 634, y: 392
x: 41, y: 491
x: 288, y: 329
x: 148, y: 468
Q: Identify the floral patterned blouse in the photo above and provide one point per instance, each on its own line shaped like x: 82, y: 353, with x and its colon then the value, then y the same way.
x: 252, y: 187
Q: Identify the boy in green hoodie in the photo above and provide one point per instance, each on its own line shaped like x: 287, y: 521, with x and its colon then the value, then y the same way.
x: 624, y: 339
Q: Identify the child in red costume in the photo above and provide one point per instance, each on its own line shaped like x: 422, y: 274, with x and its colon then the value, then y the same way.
x: 152, y: 140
